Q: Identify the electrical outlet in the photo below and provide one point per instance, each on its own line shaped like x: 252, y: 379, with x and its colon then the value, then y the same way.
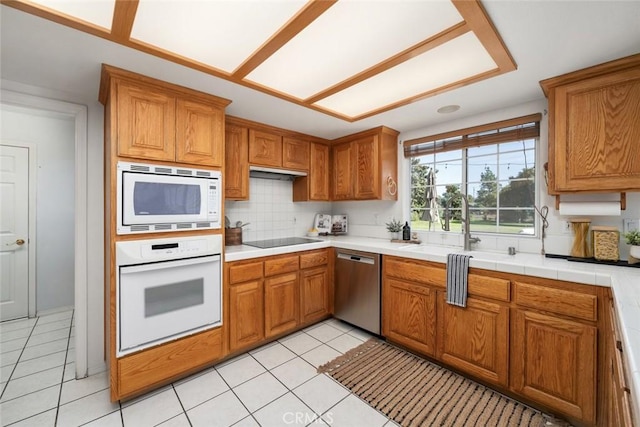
x: 630, y: 225
x: 566, y: 227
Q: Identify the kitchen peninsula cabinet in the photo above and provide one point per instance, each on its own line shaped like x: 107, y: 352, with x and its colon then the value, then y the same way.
x: 618, y: 392
x: 364, y: 166
x: 271, y: 296
x: 236, y: 158
x: 153, y: 120
x: 594, y: 128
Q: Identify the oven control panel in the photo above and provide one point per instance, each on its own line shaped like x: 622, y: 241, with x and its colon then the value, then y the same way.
x: 149, y: 250
x: 182, y: 249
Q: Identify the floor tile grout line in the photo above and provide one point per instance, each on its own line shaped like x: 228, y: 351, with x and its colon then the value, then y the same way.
x: 18, y: 361
x: 184, y: 411
x: 64, y: 366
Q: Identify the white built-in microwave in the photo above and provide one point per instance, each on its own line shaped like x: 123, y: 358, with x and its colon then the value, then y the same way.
x: 155, y: 198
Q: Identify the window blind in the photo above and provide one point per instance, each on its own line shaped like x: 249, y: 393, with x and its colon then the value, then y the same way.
x: 517, y: 129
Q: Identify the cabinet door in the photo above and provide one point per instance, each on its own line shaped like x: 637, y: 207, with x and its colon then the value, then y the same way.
x: 295, y: 154
x: 199, y: 133
x: 596, y: 133
x: 146, y: 127
x: 409, y: 315
x: 475, y: 339
x: 265, y: 149
x: 246, y: 314
x: 342, y: 172
x: 367, y: 173
x: 319, y: 172
x: 314, y: 294
x: 236, y: 155
x: 554, y: 363
x: 281, y: 299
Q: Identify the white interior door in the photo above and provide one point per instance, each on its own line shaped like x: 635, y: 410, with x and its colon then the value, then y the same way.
x: 14, y: 230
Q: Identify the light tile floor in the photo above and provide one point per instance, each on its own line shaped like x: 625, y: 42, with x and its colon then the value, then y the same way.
x: 274, y: 385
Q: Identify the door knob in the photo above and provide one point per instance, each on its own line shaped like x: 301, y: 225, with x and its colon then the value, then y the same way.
x: 18, y: 242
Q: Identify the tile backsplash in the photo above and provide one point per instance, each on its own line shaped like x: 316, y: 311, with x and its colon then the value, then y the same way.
x: 271, y: 211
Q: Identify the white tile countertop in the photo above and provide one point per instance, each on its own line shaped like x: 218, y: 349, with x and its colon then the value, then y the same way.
x: 624, y: 281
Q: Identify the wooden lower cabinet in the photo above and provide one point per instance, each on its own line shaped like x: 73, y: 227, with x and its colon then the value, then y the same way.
x: 246, y: 314
x: 156, y: 366
x: 314, y: 294
x: 617, y: 390
x: 409, y: 315
x: 281, y: 308
x: 554, y: 363
x: 475, y: 338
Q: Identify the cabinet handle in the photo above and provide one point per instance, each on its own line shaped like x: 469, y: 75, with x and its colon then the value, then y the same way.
x: 392, y: 187
x: 619, y: 345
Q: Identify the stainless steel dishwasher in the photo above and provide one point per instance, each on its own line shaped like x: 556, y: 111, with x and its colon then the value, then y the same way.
x: 357, y: 289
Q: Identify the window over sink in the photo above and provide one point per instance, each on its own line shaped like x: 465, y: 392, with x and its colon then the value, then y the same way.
x: 493, y: 166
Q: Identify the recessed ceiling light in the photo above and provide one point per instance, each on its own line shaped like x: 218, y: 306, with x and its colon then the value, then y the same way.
x: 448, y: 109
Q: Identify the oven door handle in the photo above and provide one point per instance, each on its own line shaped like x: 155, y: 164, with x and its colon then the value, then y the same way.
x: 124, y: 269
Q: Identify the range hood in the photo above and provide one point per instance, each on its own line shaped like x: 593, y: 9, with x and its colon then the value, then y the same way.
x: 275, y: 174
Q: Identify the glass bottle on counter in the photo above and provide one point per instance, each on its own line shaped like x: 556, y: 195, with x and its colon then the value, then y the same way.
x: 406, y: 231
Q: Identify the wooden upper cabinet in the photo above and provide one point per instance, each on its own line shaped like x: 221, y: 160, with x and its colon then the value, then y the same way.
x: 594, y: 128
x: 342, y: 181
x: 367, y: 181
x: 265, y: 149
x: 145, y: 122
x: 236, y: 155
x: 154, y: 120
x: 295, y: 154
x: 365, y: 166
x: 314, y: 186
x: 199, y: 133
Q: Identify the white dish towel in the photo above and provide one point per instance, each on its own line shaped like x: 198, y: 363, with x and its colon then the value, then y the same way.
x: 457, y: 279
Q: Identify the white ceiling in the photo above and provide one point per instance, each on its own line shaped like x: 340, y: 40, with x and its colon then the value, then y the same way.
x: 545, y: 38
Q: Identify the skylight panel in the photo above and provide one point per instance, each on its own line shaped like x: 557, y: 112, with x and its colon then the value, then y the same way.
x: 219, y: 33
x: 96, y: 12
x: 348, y: 38
x: 461, y: 58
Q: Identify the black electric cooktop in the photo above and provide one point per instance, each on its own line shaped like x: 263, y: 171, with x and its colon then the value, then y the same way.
x: 284, y: 241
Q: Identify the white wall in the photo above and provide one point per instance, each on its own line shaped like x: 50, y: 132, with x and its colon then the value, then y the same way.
x: 271, y: 212
x: 54, y: 138
x: 95, y: 213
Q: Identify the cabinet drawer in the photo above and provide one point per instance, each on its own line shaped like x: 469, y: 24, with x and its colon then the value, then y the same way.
x: 560, y: 301
x: 281, y: 265
x: 414, y: 271
x: 489, y: 287
x: 245, y: 272
x: 157, y: 365
x: 313, y: 259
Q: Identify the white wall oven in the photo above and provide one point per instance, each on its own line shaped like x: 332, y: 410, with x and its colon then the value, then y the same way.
x: 153, y: 198
x: 166, y: 289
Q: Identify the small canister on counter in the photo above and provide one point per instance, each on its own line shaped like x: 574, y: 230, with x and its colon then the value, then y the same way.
x: 605, y: 243
x: 233, y: 236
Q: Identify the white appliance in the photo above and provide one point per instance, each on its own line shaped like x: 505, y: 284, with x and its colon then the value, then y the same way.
x: 153, y: 198
x: 166, y: 289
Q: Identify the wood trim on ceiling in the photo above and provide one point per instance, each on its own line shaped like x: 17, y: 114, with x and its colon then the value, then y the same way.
x: 475, y: 19
x: 124, y: 13
x: 305, y: 16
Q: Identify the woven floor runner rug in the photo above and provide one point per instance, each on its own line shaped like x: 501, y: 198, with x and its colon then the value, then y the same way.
x: 415, y: 392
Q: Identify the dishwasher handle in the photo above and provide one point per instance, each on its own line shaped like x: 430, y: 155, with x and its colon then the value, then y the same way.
x: 356, y: 258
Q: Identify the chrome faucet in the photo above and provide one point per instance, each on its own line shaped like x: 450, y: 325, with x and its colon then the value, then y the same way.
x: 468, y: 239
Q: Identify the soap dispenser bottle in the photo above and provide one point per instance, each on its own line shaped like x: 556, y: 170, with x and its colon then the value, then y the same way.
x: 406, y: 231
